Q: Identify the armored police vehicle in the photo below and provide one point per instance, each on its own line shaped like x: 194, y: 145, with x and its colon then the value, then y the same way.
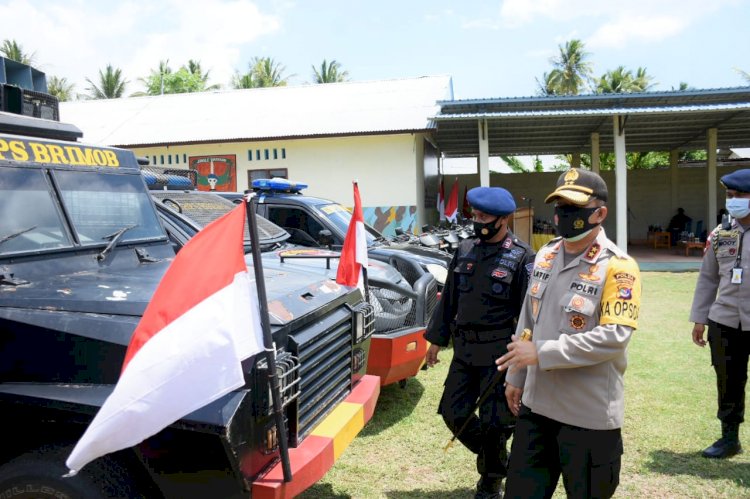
x: 82, y: 250
x: 282, y: 202
x: 401, y: 310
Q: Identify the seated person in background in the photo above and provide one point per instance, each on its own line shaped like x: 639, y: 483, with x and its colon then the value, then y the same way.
x: 678, y: 224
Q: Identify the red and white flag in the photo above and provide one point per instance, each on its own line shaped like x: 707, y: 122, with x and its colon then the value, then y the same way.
x: 202, y: 321
x: 441, y: 201
x: 451, y: 207
x: 354, y: 252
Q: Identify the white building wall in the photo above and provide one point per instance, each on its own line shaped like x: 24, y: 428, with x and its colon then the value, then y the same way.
x: 385, y: 166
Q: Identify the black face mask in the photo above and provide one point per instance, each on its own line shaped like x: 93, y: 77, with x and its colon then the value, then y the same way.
x: 573, y: 221
x: 487, y: 231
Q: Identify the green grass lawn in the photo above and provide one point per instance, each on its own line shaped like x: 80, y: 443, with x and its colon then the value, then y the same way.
x: 669, y: 418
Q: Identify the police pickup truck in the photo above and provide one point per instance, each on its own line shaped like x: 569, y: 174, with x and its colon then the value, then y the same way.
x: 401, y: 310
x: 282, y: 202
x: 82, y: 250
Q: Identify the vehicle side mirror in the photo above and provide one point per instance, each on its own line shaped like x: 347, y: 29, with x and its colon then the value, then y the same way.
x: 325, y: 238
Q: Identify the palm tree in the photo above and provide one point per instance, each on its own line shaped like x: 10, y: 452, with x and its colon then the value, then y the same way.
x: 12, y: 50
x: 621, y: 80
x: 744, y: 74
x: 60, y: 88
x: 571, y: 70
x: 194, y: 68
x: 264, y: 72
x: 111, y: 84
x: 329, y: 73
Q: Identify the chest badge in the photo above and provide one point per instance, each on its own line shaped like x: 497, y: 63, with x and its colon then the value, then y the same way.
x: 499, y: 273
x: 577, y: 322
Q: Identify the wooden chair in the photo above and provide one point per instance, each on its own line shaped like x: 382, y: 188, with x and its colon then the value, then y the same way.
x: 662, y: 240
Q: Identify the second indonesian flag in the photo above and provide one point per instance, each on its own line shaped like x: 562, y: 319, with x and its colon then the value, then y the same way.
x: 354, y: 252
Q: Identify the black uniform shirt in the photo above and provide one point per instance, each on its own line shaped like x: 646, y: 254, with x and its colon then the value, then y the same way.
x: 484, y: 289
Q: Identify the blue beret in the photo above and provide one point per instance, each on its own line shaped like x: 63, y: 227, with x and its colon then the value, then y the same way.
x: 492, y: 200
x: 737, y: 181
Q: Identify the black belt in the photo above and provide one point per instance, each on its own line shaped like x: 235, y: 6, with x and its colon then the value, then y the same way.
x: 482, y: 335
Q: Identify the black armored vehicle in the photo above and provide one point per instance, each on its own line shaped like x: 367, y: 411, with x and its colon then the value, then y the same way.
x: 82, y: 250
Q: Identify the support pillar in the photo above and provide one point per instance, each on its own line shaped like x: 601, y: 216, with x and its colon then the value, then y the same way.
x: 712, y: 137
x: 621, y: 183
x: 484, y: 154
x: 674, y: 181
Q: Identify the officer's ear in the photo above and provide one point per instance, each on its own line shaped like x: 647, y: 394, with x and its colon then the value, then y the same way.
x: 600, y: 214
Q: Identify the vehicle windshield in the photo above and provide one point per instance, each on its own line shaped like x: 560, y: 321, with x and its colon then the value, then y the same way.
x: 340, y: 217
x: 99, y: 205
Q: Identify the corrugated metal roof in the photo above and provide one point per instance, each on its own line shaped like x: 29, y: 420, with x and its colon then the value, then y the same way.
x: 653, y: 121
x: 399, y: 105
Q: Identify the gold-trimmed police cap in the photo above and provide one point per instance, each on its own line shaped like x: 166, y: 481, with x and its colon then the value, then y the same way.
x: 579, y: 187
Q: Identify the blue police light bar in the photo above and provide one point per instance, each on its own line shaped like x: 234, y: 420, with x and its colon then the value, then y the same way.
x: 278, y: 185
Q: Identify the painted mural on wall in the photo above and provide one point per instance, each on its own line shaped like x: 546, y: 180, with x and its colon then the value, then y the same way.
x: 387, y: 218
x: 216, y: 172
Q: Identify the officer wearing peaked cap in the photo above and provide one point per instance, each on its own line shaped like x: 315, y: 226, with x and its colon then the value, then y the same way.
x: 478, y: 309
x: 722, y: 301
x: 566, y: 384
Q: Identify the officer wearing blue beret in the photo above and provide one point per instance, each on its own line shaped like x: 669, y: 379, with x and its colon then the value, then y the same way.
x: 478, y: 310
x: 725, y: 273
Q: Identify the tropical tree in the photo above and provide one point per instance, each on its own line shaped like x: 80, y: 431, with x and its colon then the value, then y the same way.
x: 12, y: 50
x: 571, y: 70
x: 189, y: 78
x: 111, y: 84
x: 621, y: 80
x: 263, y: 72
x: 329, y: 72
x: 60, y: 88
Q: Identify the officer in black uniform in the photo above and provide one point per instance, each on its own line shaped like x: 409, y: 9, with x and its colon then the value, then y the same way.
x: 478, y: 310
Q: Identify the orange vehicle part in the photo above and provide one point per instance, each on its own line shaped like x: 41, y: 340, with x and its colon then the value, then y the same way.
x: 325, y: 444
x: 397, y: 356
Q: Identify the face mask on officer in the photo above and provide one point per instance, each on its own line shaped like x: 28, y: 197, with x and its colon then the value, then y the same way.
x: 738, y: 207
x: 573, y: 221
x: 486, y: 231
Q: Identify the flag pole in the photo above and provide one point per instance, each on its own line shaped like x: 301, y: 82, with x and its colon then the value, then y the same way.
x: 273, y: 378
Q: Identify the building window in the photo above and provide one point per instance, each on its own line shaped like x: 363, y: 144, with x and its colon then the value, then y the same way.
x: 266, y: 153
x: 184, y: 158
x: 283, y: 153
x: 154, y: 162
x: 275, y: 154
x: 257, y: 154
x: 162, y: 159
x: 249, y: 154
x: 266, y: 173
x: 169, y: 159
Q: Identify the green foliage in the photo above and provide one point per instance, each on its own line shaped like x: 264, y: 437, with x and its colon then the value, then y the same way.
x: 263, y: 72
x: 670, y: 416
x: 570, y: 73
x: 12, y: 50
x: 111, y: 84
x: 189, y: 78
x: 60, y: 88
x: 621, y: 80
x: 329, y: 72
x: 744, y: 74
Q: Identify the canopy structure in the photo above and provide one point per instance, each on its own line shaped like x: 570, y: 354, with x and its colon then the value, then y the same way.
x: 651, y: 121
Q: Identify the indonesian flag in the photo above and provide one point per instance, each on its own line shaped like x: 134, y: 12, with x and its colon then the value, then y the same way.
x: 451, y: 208
x: 202, y: 321
x: 466, y: 208
x: 354, y: 252
x: 441, y: 201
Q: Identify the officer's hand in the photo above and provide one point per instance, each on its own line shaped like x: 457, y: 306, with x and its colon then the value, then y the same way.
x: 520, y: 354
x: 698, y: 330
x: 513, y: 396
x: 431, y: 357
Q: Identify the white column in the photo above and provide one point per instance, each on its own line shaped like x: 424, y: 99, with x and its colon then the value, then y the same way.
x: 484, y: 154
x: 595, y: 164
x: 711, y: 145
x: 621, y: 185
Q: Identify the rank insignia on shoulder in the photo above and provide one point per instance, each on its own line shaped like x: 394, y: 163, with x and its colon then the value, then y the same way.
x: 499, y: 273
x: 593, y: 251
x: 507, y: 243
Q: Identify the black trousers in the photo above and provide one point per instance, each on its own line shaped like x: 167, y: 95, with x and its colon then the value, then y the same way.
x: 543, y: 448
x: 729, y: 354
x: 487, y: 434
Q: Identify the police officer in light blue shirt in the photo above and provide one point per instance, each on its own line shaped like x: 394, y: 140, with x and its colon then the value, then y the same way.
x: 722, y: 301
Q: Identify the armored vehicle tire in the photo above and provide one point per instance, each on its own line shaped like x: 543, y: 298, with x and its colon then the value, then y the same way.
x: 39, y: 474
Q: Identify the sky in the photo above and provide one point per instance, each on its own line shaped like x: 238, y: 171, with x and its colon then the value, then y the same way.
x: 491, y: 49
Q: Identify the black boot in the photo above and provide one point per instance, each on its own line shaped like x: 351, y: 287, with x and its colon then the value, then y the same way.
x: 728, y: 445
x: 489, y: 488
